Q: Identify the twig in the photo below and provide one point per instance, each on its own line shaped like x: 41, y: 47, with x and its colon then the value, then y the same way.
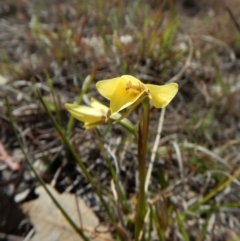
x: 146, y: 218
x: 29, y: 161
x: 161, y: 119
x: 5, y: 236
x: 179, y: 158
x: 219, y: 42
x: 4, y: 157
x: 29, y: 235
x: 117, y: 184
x: 208, y: 152
x: 57, y: 174
x: 233, y: 18
x: 154, y: 150
x: 78, y: 210
x: 225, y: 174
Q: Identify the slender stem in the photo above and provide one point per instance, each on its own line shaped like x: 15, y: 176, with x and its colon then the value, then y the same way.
x: 39, y: 178
x: 77, y: 158
x: 154, y: 150
x: 129, y: 127
x: 142, y: 150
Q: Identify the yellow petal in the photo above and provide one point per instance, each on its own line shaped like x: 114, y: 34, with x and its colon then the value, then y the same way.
x: 107, y: 87
x: 123, y: 97
x: 89, y: 126
x: 162, y: 95
x: 130, y: 78
x: 99, y: 106
x: 84, y: 113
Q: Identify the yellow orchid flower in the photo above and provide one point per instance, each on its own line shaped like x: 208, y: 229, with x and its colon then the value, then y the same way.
x: 97, y: 114
x: 125, y: 90
x: 92, y: 115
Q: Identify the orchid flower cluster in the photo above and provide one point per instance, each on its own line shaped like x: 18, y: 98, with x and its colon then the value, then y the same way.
x: 122, y: 92
x: 127, y: 92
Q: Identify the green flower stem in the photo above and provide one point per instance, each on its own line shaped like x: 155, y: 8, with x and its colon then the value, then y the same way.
x: 77, y: 158
x: 129, y: 127
x: 142, y: 150
x: 39, y: 178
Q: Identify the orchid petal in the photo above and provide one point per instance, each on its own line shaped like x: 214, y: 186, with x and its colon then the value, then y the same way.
x: 84, y: 113
x: 122, y: 97
x: 162, y: 95
x: 132, y: 79
x: 99, y: 106
x: 107, y: 87
x: 89, y: 125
